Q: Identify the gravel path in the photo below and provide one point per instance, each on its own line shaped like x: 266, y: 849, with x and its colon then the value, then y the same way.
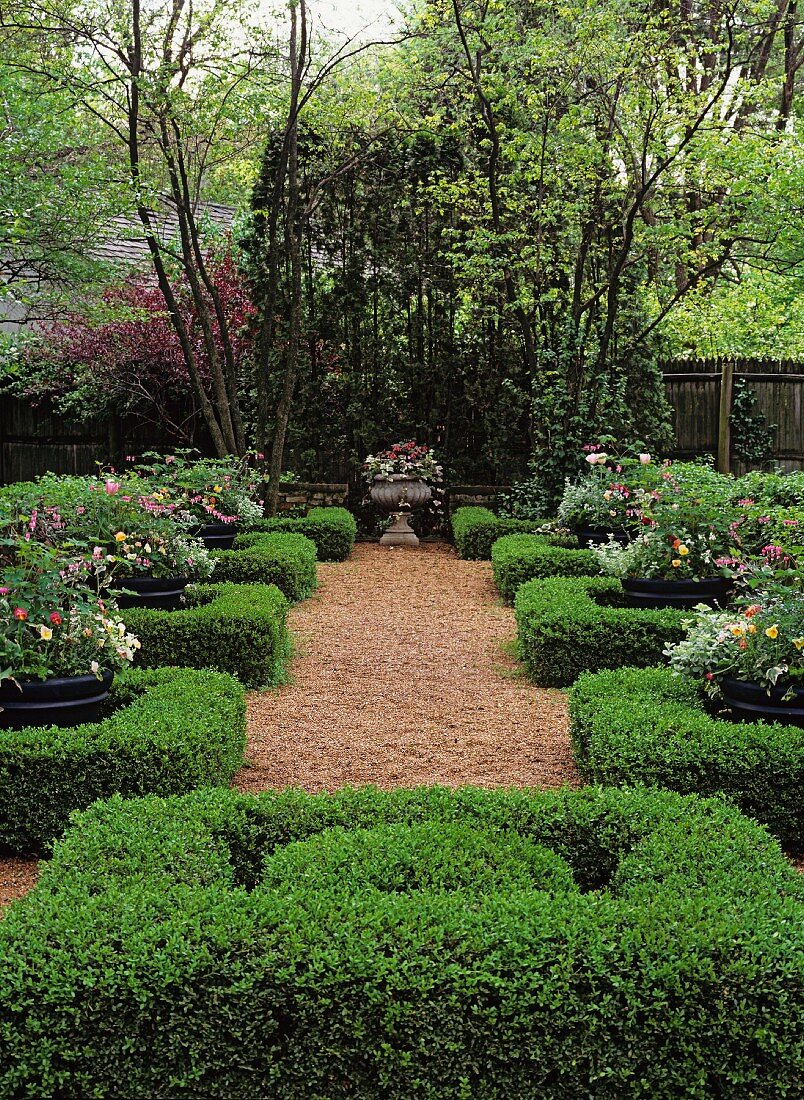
x: 399, y: 679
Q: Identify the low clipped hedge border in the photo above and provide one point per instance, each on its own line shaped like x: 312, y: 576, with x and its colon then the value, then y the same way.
x: 170, y: 730
x: 476, y: 529
x: 519, y: 558
x: 570, y: 625
x: 284, y: 559
x: 235, y: 628
x: 627, y: 943
x: 648, y: 726
x: 333, y: 530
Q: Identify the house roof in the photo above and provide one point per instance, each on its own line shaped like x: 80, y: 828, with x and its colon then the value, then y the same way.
x: 126, y: 243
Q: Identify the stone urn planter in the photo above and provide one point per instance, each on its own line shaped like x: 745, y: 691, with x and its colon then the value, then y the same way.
x: 750, y: 702
x: 159, y: 593
x: 58, y: 701
x: 645, y: 593
x: 218, y: 536
x: 399, y: 494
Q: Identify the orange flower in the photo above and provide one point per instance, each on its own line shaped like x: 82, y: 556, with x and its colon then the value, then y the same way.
x: 751, y: 611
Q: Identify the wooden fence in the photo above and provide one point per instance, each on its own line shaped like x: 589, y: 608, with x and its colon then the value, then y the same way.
x: 701, y: 393
x: 33, y: 441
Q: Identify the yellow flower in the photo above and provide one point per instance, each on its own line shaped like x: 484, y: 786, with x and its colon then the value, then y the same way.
x: 773, y: 631
x: 798, y: 643
x: 121, y: 536
x: 217, y: 489
x: 738, y: 630
x: 752, y: 629
x: 45, y: 633
x: 683, y: 550
x: 675, y: 563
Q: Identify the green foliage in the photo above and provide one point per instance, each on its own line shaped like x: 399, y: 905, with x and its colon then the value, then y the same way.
x: 332, y: 530
x: 475, y: 530
x: 167, y: 731
x: 519, y: 558
x: 570, y: 625
x: 432, y: 943
x: 751, y: 434
x: 236, y: 628
x: 284, y: 559
x: 647, y: 726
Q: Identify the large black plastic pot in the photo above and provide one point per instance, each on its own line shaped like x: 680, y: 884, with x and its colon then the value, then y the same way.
x: 160, y: 593
x: 750, y: 701
x: 585, y: 535
x: 60, y: 701
x: 217, y: 536
x: 641, y: 592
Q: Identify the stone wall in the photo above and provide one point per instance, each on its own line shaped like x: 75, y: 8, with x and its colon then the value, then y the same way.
x: 313, y: 495
x: 460, y: 496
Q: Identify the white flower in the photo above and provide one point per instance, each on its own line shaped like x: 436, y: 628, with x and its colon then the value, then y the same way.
x: 45, y: 633
x: 94, y: 666
x: 645, y: 459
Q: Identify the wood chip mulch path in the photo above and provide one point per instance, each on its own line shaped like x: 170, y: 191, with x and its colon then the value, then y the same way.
x: 400, y: 679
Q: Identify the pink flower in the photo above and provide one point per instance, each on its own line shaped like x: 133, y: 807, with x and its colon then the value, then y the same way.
x: 645, y: 459
x: 4, y: 591
x: 55, y: 618
x: 170, y: 458
x: 21, y: 614
x: 592, y: 459
x: 111, y: 487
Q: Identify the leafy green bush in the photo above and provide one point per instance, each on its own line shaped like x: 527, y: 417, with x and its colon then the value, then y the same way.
x: 236, y: 628
x: 570, y: 625
x: 634, y: 726
x: 168, y: 730
x: 475, y: 530
x: 431, y: 943
x: 332, y: 530
x: 519, y: 558
x: 284, y: 559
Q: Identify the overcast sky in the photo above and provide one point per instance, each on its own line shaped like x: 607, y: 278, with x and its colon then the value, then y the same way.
x: 352, y: 16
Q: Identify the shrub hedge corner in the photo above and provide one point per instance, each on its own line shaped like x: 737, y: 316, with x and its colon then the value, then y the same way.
x: 476, y: 529
x: 519, y: 558
x: 648, y: 726
x: 235, y: 628
x: 282, y: 558
x: 570, y: 625
x: 617, y: 944
x: 333, y: 530
x: 168, y: 730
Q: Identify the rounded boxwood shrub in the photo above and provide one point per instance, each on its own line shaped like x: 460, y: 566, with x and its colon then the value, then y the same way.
x: 168, y: 730
x: 476, y: 529
x: 648, y: 726
x: 519, y: 558
x: 333, y: 530
x: 432, y: 943
x: 570, y: 625
x: 235, y: 628
x: 284, y: 559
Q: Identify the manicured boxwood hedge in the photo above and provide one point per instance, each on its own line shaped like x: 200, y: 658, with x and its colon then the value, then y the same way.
x: 235, y: 628
x: 284, y: 559
x: 475, y: 530
x: 570, y: 625
x: 593, y: 945
x: 519, y: 558
x: 648, y: 726
x: 332, y: 530
x: 168, y: 730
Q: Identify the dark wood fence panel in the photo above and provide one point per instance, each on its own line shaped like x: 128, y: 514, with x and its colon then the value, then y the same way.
x: 693, y: 390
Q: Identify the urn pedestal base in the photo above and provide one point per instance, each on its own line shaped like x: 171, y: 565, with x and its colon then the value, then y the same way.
x: 400, y: 533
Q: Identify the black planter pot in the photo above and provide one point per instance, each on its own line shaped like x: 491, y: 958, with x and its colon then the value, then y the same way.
x: 62, y: 701
x: 218, y: 536
x: 714, y: 591
x: 160, y: 593
x: 750, y: 702
x: 585, y: 535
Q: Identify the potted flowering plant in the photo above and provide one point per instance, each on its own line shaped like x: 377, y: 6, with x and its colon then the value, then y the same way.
x: 404, y: 477
x: 751, y: 656
x: 602, y: 503
x: 60, y: 641
x: 219, y: 496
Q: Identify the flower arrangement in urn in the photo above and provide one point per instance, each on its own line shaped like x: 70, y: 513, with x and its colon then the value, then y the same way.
x: 401, y: 478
